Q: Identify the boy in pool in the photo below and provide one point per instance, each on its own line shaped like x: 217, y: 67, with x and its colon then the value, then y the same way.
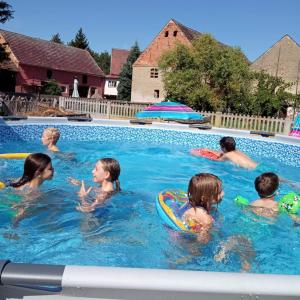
x: 266, y: 186
x: 50, y: 137
x: 229, y: 153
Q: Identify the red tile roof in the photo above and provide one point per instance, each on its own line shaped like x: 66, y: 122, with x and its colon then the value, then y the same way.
x: 37, y: 52
x: 118, y: 58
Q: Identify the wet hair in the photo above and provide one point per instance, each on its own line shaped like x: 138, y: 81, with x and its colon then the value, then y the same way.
x: 113, y: 167
x: 34, y: 165
x: 53, y: 133
x: 204, y: 190
x: 228, y: 143
x: 266, y: 184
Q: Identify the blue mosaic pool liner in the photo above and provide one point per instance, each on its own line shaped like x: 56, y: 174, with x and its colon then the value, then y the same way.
x: 288, y: 154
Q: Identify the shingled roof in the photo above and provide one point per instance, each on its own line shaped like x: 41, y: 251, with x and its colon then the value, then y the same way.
x: 36, y: 52
x: 118, y: 58
x: 190, y: 33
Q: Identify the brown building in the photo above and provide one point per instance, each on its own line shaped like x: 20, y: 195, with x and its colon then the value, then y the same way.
x: 147, y: 85
x: 118, y: 59
x: 32, y: 62
x: 282, y: 60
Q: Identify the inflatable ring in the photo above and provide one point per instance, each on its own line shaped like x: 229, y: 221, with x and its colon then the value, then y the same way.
x: 171, y: 206
x: 206, y: 153
x: 2, y: 185
x: 289, y: 203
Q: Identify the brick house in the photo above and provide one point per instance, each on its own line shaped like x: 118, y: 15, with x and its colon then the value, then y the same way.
x: 33, y: 62
x: 282, y: 60
x: 147, y: 85
x: 118, y: 58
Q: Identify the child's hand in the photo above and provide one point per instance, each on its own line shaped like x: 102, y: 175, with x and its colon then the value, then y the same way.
x: 83, y: 192
x: 84, y: 208
x: 74, y: 181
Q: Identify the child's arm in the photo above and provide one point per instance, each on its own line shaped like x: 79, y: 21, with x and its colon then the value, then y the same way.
x: 295, y: 218
x: 84, y: 206
x: 83, y: 193
x: 74, y: 181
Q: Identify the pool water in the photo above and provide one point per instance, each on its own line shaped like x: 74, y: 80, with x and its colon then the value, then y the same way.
x: 127, y: 231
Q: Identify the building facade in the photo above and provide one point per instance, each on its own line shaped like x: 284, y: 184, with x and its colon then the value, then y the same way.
x: 118, y: 58
x: 281, y: 60
x: 147, y: 85
x: 34, y: 62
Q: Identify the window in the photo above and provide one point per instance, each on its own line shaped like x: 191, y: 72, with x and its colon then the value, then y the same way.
x: 49, y: 74
x: 112, y: 83
x: 156, y: 93
x: 63, y: 88
x: 167, y: 33
x: 175, y: 33
x: 154, y: 73
x: 84, y: 79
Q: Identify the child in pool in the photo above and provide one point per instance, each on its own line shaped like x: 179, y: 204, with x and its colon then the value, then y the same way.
x: 229, y: 153
x: 37, y: 169
x: 204, y: 191
x: 266, y: 186
x: 106, y: 173
x: 50, y: 137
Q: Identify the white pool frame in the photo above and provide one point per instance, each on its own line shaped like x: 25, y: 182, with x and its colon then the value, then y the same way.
x: 129, y: 283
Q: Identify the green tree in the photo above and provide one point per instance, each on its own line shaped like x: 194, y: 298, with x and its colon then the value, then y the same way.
x: 56, y: 39
x: 80, y: 41
x: 124, y: 87
x: 207, y: 76
x: 51, y: 88
x: 103, y: 60
x: 270, y: 97
x: 5, y: 12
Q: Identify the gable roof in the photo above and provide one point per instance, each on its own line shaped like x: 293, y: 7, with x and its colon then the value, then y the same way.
x: 118, y: 58
x: 282, y: 59
x: 190, y: 33
x: 162, y: 42
x: 37, y: 52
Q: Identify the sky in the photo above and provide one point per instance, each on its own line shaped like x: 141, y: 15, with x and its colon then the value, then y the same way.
x: 252, y: 25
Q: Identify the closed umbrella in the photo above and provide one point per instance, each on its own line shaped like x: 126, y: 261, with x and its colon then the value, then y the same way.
x: 169, y: 110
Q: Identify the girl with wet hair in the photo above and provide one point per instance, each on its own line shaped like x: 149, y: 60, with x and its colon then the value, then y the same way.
x: 106, y: 173
x: 37, y: 169
x: 204, y: 191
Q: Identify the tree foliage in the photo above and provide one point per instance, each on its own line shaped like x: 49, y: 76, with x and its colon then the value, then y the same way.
x: 213, y: 76
x: 5, y: 12
x: 80, y: 40
x: 103, y: 60
x: 269, y: 96
x: 56, y: 39
x: 51, y: 88
x: 207, y: 76
x: 124, y: 87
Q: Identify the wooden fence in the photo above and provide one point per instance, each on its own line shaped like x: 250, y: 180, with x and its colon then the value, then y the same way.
x: 246, y: 122
x: 18, y: 104
x: 22, y: 104
x: 102, y: 108
x: 124, y: 109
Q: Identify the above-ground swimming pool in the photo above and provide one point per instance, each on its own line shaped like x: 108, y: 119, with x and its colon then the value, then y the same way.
x: 127, y: 231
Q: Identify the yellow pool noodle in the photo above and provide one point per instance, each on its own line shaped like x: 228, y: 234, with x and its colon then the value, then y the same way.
x: 14, y: 155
